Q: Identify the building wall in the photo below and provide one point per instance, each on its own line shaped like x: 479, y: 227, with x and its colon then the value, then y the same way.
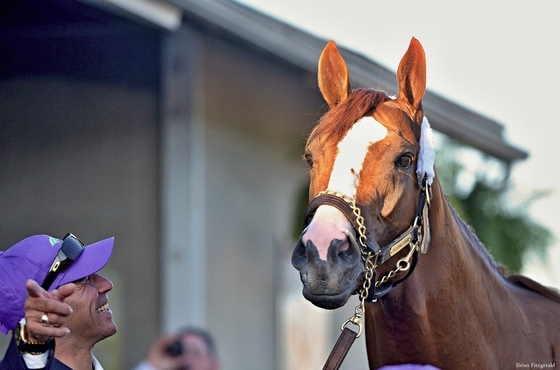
x: 250, y: 142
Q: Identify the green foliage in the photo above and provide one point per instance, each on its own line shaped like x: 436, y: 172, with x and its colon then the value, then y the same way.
x: 497, y: 212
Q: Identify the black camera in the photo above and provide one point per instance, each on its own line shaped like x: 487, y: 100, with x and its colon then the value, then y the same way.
x: 175, y: 349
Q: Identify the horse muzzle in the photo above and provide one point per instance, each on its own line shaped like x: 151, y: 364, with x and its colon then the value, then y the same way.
x: 328, y: 258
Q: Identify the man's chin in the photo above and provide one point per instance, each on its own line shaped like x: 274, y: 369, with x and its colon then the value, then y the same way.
x: 109, y: 330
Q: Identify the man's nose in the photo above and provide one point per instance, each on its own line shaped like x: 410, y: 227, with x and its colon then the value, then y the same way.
x: 102, y: 284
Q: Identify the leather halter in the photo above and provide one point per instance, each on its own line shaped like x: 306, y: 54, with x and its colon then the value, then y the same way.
x: 417, y: 236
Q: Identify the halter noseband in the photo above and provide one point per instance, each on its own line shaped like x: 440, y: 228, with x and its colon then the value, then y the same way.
x: 416, y: 237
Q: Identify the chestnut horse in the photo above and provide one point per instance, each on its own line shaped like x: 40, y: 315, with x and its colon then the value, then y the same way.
x: 379, y: 225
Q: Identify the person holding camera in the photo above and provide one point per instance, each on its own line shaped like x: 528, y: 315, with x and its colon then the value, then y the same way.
x: 188, y: 349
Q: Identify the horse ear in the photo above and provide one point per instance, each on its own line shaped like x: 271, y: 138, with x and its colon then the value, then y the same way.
x: 334, y: 80
x: 411, y: 77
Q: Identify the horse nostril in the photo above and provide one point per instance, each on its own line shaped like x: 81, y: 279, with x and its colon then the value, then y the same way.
x: 343, y: 246
x: 299, y: 255
x: 348, y: 250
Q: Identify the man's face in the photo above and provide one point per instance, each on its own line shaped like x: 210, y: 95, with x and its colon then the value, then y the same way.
x: 91, y: 320
x: 197, y: 354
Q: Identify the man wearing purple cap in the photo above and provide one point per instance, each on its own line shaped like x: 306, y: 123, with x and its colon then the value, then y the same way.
x: 71, y: 304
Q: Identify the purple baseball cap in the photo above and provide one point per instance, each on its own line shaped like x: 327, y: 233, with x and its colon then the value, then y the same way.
x: 32, y: 258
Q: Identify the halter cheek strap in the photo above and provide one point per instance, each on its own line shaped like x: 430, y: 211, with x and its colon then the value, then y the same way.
x: 417, y: 237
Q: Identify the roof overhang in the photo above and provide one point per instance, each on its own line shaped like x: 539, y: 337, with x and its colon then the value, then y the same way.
x: 159, y: 13
x: 302, y: 49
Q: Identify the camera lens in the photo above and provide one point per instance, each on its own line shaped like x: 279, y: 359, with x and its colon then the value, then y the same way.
x: 175, y: 349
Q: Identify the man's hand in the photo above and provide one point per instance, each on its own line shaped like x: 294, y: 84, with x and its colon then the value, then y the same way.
x: 39, y: 302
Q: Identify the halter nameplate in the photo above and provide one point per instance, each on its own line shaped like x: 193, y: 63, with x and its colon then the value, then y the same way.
x: 399, y: 244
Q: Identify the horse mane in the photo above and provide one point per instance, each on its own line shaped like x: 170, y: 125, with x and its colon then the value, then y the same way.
x: 336, y: 122
x: 527, y: 283
x: 475, y: 241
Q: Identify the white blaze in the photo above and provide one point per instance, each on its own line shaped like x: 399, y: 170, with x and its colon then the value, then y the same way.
x: 352, y: 151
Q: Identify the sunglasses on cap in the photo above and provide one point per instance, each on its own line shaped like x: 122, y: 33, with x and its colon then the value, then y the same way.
x: 69, y: 251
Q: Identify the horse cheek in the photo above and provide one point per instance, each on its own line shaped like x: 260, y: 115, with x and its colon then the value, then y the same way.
x: 396, y: 203
x: 389, y: 204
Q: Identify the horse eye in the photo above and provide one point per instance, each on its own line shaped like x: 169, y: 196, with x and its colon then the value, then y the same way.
x: 404, y: 161
x: 309, y: 158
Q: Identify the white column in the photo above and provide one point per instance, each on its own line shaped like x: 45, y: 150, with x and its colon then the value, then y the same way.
x: 183, y: 228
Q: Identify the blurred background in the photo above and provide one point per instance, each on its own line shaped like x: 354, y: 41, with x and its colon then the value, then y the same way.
x: 178, y: 126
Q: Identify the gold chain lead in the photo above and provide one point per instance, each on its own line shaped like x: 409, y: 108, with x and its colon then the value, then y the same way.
x: 368, y: 257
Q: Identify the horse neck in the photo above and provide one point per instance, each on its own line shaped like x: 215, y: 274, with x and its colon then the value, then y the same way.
x: 447, y: 292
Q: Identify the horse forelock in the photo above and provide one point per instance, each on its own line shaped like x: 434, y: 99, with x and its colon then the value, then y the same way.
x: 336, y: 123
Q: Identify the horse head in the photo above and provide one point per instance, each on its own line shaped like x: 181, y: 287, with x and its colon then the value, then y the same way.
x: 367, y: 165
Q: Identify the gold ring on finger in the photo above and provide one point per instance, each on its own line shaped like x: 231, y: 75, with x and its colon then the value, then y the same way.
x: 45, y: 320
